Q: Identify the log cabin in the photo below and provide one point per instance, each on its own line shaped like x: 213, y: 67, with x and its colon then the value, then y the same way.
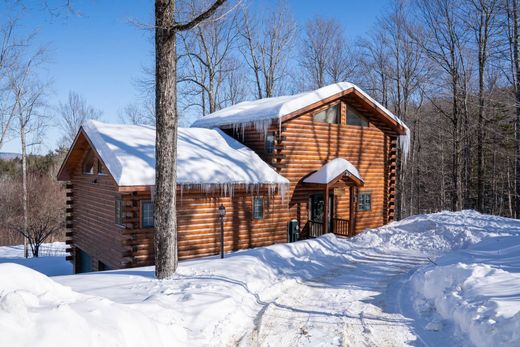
x: 284, y: 168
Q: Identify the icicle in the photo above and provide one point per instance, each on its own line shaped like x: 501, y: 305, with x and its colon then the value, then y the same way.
x: 404, y: 143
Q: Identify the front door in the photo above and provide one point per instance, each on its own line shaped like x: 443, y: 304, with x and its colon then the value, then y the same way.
x: 317, y: 209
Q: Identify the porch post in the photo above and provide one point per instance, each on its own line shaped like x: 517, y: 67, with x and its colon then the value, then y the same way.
x: 352, y: 210
x: 326, y: 211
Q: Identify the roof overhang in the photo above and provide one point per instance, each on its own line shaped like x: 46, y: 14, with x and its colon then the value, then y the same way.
x: 333, y: 171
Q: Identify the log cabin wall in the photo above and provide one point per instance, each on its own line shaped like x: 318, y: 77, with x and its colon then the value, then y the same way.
x: 93, y: 219
x: 199, y: 226
x: 303, y: 146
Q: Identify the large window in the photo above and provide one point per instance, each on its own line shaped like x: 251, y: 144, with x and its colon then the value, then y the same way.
x: 355, y: 118
x: 258, y: 207
x: 365, y: 201
x: 329, y: 115
x: 88, y: 164
x: 147, y: 214
x: 119, y: 211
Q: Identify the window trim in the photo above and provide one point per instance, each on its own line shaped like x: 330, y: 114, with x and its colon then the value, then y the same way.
x: 141, y: 219
x: 369, y: 194
x: 255, y: 198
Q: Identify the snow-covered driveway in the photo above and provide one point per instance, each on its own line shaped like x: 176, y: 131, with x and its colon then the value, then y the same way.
x: 371, y: 290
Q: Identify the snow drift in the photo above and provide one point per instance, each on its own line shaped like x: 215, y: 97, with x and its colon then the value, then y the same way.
x: 326, y: 291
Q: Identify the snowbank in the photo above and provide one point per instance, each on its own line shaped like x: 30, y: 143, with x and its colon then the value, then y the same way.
x: 477, y: 289
x: 36, y: 311
x: 330, y: 290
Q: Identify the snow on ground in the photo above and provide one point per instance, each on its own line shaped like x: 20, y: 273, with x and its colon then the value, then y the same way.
x: 51, y: 261
x: 378, y: 288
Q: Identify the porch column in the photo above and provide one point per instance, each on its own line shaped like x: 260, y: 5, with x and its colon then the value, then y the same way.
x: 326, y: 210
x: 352, y: 210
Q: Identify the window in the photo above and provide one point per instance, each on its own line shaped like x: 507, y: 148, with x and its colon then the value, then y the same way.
x: 119, y: 211
x: 258, y: 207
x: 354, y: 118
x: 147, y: 214
x: 329, y: 115
x: 365, y: 201
x: 100, y: 168
x: 269, y: 144
x: 88, y: 164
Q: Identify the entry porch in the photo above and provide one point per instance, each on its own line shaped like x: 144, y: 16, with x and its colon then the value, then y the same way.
x: 338, y: 180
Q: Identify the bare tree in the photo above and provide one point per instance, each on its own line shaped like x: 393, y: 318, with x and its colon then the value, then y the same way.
x: 482, y: 22
x: 266, y: 47
x: 443, y: 40
x: 10, y: 49
x: 45, y: 219
x: 72, y: 114
x: 205, y: 58
x: 166, y: 29
x: 28, y: 94
x: 324, y: 54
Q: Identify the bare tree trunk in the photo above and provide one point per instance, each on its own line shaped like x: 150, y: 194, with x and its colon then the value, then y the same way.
x: 166, y: 29
x: 516, y: 63
x: 24, y: 188
x: 166, y: 140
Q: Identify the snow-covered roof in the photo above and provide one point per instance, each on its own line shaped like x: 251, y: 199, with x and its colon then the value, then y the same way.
x: 260, y: 113
x: 332, y: 170
x: 252, y: 112
x: 205, y: 157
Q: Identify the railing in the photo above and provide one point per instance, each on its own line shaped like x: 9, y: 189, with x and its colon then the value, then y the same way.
x: 315, y: 229
x: 341, y: 227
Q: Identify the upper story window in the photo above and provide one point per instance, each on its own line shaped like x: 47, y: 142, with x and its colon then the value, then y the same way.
x: 119, y: 211
x: 100, y: 168
x: 329, y: 115
x: 258, y: 207
x: 147, y: 209
x: 88, y: 163
x: 355, y: 118
x: 365, y: 201
x: 269, y: 144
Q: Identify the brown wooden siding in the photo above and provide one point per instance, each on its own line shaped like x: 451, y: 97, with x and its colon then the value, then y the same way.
x: 199, y: 227
x: 93, y: 222
x: 303, y: 146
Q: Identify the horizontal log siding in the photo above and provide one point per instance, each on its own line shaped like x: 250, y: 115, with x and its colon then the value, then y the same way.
x: 93, y: 220
x: 199, y: 227
x: 303, y: 146
x: 308, y: 145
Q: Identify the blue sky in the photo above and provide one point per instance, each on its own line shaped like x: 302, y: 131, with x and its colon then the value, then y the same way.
x: 100, y: 54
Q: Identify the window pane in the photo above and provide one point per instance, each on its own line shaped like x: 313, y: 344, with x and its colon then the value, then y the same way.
x: 101, y: 170
x: 258, y: 208
x: 88, y: 164
x: 269, y: 144
x: 329, y: 115
x: 365, y: 201
x: 147, y: 214
x: 354, y: 118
